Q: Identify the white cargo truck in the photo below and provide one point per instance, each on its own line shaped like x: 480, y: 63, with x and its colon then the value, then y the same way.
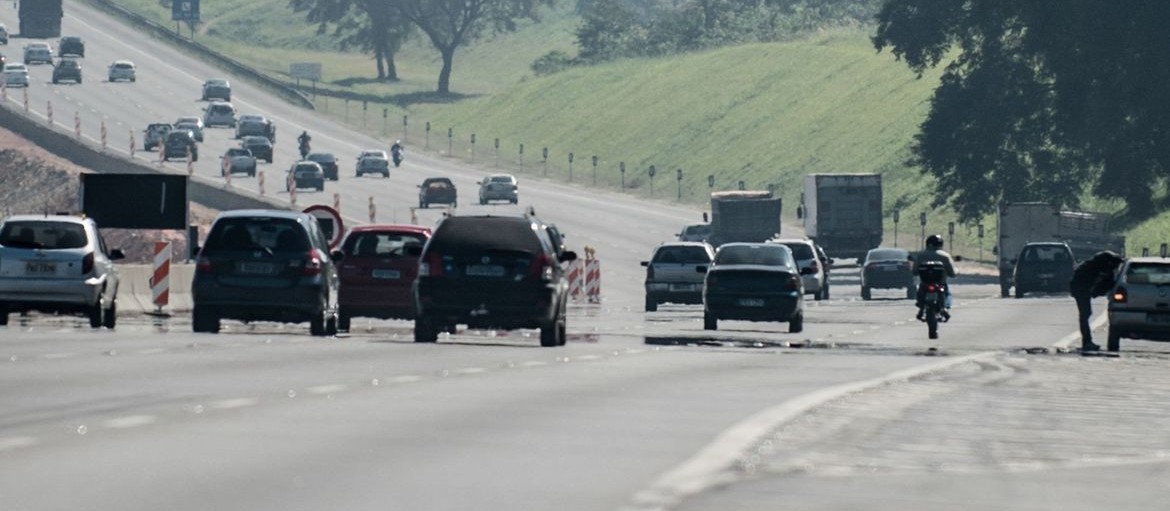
x: 843, y: 212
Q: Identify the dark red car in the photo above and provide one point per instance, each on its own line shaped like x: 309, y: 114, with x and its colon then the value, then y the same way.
x: 378, y: 271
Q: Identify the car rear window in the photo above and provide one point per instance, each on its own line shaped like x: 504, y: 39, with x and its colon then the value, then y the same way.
x: 221, y: 109
x: 682, y: 255
x: 1148, y: 273
x: 382, y: 244
x: 800, y: 251
x: 123, y: 66
x: 462, y: 234
x: 258, y: 233
x: 887, y: 255
x: 697, y: 229
x: 766, y: 255
x: 43, y: 235
x: 502, y: 179
x: 1045, y: 254
x: 322, y: 157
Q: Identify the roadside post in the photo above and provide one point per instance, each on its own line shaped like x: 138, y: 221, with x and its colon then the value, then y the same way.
x: 77, y: 124
x: 473, y: 148
x: 679, y: 178
x: 404, y: 119
x: 49, y: 113
x: 742, y: 186
x: 104, y: 135
x: 545, y: 156
x: 497, y: 152
x: 595, y: 170
x: 450, y: 133
x: 651, y: 171
x: 980, y: 233
x: 896, y: 215
x: 622, y: 168
x: 570, y: 167
x: 427, y: 143
x: 922, y: 223
x: 951, y: 235
x: 521, y: 157
x: 711, y: 183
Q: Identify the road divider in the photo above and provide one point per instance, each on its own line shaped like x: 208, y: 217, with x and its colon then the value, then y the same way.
x: 136, y: 288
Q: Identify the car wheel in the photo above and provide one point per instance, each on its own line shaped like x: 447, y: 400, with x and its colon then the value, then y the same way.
x: 343, y: 320
x: 95, y: 314
x: 910, y: 293
x: 825, y: 289
x: 204, y: 320
x: 710, y: 322
x: 796, y: 324
x: 3, y: 315
x: 515, y: 201
x: 1019, y: 292
x: 110, y: 319
x: 132, y: 80
x: 331, y: 325
x: 1004, y: 290
x: 865, y: 294
x: 320, y: 188
x: 482, y: 202
x: 424, y: 330
x: 651, y: 304
x: 252, y: 172
x: 317, y: 325
x: 817, y: 295
x: 1114, y: 341
x: 552, y: 334
x: 386, y: 174
x: 268, y: 159
x: 79, y: 81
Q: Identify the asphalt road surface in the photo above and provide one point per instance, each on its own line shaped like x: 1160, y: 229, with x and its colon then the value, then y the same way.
x: 638, y: 411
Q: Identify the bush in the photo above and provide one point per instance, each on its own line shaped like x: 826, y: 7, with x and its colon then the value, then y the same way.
x: 551, y: 62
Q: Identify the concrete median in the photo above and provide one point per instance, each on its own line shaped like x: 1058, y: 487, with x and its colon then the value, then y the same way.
x: 134, y: 291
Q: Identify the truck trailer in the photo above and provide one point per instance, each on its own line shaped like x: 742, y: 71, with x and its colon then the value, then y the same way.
x: 1020, y: 223
x: 744, y: 216
x: 40, y: 19
x: 843, y: 212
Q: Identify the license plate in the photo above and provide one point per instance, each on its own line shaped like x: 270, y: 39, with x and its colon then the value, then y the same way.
x: 40, y: 268
x: 930, y: 297
x: 750, y: 302
x: 387, y: 274
x: 1046, y: 275
x: 1160, y: 318
x: 485, y: 270
x: 682, y: 287
x: 255, y: 268
x: 889, y: 268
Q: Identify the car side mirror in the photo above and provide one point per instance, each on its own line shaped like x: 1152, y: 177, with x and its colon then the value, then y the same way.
x: 645, y: 263
x: 336, y: 255
x: 567, y: 256
x: 117, y: 254
x: 414, y: 250
x: 700, y: 269
x: 807, y: 271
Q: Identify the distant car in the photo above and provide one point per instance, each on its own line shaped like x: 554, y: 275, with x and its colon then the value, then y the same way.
x: 217, y: 88
x: 437, y: 190
x: 260, y: 147
x: 672, y: 274
x: 695, y: 232
x: 809, y: 262
x: 265, y: 265
x: 193, y: 119
x: 155, y: 134
x: 306, y: 174
x: 753, y: 282
x: 328, y: 164
x: 178, y: 143
x: 1043, y: 266
x: 378, y: 271
x: 3, y: 34
x: 373, y: 161
x: 67, y: 70
x: 121, y: 70
x: 219, y: 113
x: 71, y: 45
x: 499, y: 187
x: 237, y: 160
x: 57, y: 264
x: 499, y: 272
x: 15, y: 75
x: 887, y: 268
x: 38, y: 53
x: 1138, y: 305
x: 255, y: 125
x: 194, y: 128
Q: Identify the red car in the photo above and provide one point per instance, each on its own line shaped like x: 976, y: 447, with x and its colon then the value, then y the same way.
x: 378, y: 270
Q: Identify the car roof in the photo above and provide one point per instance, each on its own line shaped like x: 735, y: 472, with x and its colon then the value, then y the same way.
x: 416, y: 229
x: 325, y: 156
x: 256, y: 138
x: 1149, y: 260
x: 214, y: 81
x: 488, y: 232
x: 1046, y: 244
x: 274, y: 213
x: 684, y: 244
x: 123, y: 62
x: 54, y: 218
x: 792, y: 240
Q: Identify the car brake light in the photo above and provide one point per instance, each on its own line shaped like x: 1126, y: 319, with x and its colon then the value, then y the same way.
x: 793, y: 283
x: 203, y: 264
x: 312, y: 265
x: 431, y: 266
x: 1120, y: 295
x: 87, y: 263
x: 542, y: 267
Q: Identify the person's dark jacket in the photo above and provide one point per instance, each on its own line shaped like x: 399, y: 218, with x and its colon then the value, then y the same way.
x: 1094, y: 276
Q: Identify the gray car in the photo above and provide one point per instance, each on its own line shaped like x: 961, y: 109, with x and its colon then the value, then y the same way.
x: 306, y: 174
x: 265, y: 265
x: 220, y: 113
x: 499, y: 187
x: 58, y: 264
x: 1139, y: 305
x: 672, y: 274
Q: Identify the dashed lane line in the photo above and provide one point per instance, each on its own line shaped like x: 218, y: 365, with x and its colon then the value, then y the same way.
x: 321, y: 390
x: 231, y: 404
x: 17, y: 442
x: 131, y: 421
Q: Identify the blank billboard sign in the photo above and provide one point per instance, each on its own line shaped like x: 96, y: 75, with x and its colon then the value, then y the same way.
x: 135, y: 201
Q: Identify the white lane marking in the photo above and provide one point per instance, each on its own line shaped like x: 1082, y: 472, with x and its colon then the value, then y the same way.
x: 714, y: 464
x: 327, y: 389
x: 131, y: 421
x: 533, y: 363
x: 152, y: 351
x: 16, y: 442
x: 589, y: 357
x: 229, y: 404
x: 410, y: 378
x: 56, y: 356
x: 470, y: 370
x: 1067, y: 341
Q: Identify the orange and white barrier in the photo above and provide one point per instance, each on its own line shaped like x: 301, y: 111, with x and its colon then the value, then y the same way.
x: 575, y: 273
x: 593, y: 280
x: 77, y: 124
x: 131, y: 143
x: 160, y: 280
x: 104, y: 135
x: 292, y: 190
x: 4, y: 90
x: 49, y: 112
x: 372, y: 209
x: 337, y: 202
x: 260, y: 177
x: 26, y: 100
x: 190, y: 162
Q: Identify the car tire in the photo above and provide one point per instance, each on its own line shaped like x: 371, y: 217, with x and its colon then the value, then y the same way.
x: 817, y: 295
x: 317, y: 325
x: 425, y: 330
x: 651, y: 304
x: 910, y: 293
x: 343, y: 320
x: 95, y: 314
x: 3, y: 315
x: 320, y: 188
x: 710, y: 322
x: 110, y: 318
x: 865, y: 293
x: 1004, y: 290
x: 386, y: 174
x: 552, y: 334
x: 825, y: 290
x: 331, y: 326
x: 515, y: 201
x: 268, y: 159
x: 796, y: 324
x: 1019, y: 292
x: 482, y: 202
x: 1113, y: 343
x: 204, y: 320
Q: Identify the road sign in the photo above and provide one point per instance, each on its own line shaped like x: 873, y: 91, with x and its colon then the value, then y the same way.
x: 305, y: 71
x: 135, y: 201
x: 330, y: 221
x: 184, y: 10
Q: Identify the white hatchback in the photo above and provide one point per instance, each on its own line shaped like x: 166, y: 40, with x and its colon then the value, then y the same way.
x: 38, y: 52
x: 123, y: 70
x: 15, y: 75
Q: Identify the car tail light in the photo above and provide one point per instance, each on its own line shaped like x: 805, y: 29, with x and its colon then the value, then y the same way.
x: 650, y: 272
x: 312, y: 265
x: 793, y: 283
x: 203, y: 265
x: 431, y: 266
x: 542, y: 267
x: 87, y: 263
x: 1120, y: 295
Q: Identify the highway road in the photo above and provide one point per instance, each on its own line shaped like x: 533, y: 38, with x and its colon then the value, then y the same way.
x: 638, y: 411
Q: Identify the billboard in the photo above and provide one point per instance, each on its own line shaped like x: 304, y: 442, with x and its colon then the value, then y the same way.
x: 185, y: 10
x: 135, y: 201
x: 305, y: 71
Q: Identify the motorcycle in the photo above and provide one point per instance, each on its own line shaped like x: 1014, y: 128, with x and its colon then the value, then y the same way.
x: 396, y: 154
x: 933, y: 292
x: 304, y: 150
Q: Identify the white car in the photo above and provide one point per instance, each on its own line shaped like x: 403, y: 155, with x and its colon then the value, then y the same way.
x: 220, y: 113
x: 238, y: 160
x: 123, y: 70
x: 15, y: 75
x: 38, y: 52
x: 373, y: 161
x: 812, y: 271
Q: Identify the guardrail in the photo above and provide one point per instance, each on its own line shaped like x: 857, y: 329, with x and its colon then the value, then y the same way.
x: 285, y: 90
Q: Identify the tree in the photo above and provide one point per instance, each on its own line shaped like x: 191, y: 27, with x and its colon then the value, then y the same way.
x: 365, y: 24
x: 1039, y: 97
x: 450, y: 24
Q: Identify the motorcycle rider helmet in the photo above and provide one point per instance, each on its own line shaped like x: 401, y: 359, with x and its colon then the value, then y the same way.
x: 934, y: 241
x: 397, y: 142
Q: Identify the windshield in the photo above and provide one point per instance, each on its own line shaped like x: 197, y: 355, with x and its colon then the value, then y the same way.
x: 43, y: 235
x: 888, y: 255
x: 382, y: 244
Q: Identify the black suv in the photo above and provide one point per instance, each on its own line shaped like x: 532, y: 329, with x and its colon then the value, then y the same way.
x: 67, y: 69
x: 261, y: 147
x: 71, y: 45
x: 436, y: 190
x: 265, y: 265
x: 328, y: 164
x: 1043, y: 266
x: 177, y: 143
x: 492, y: 272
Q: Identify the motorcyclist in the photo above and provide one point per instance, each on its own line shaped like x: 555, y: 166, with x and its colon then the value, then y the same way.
x: 303, y: 141
x: 396, y: 151
x: 934, y: 252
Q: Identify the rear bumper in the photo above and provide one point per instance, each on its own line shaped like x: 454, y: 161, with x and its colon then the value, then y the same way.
x: 776, y: 307
x: 46, y: 294
x: 1137, y: 325
x: 888, y: 280
x: 522, y: 309
x: 383, y: 302
x: 288, y: 304
x: 682, y: 292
